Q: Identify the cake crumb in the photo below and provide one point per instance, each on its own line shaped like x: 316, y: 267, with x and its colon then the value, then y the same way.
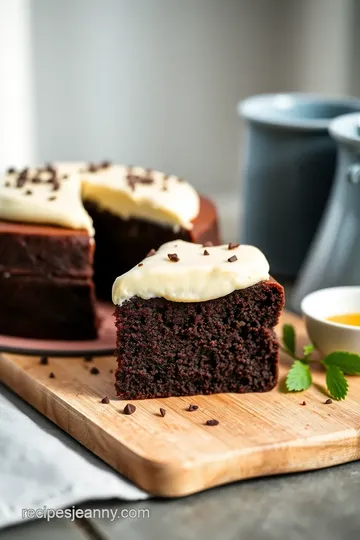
x: 192, y: 407
x: 212, y: 422
x: 129, y: 408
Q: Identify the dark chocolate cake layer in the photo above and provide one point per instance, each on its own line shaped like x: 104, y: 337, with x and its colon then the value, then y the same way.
x: 121, y: 244
x: 47, y: 309
x: 42, y: 250
x: 224, y: 345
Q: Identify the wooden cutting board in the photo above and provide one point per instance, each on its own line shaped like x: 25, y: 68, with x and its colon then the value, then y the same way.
x: 258, y: 434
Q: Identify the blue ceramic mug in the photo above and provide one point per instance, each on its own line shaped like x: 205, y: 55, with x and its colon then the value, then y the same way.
x: 288, y: 171
x: 334, y: 257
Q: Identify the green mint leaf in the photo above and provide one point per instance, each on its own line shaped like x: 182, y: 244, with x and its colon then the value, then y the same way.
x: 336, y: 382
x: 349, y: 363
x: 289, y: 338
x: 299, y: 377
x: 308, y: 350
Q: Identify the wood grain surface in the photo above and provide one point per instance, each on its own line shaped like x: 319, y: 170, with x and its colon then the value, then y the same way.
x: 175, y: 455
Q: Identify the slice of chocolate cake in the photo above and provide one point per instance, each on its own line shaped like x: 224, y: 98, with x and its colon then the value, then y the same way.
x: 136, y: 209
x: 46, y: 257
x: 197, y: 320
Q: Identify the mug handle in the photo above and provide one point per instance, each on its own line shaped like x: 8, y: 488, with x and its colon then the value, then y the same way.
x: 353, y: 173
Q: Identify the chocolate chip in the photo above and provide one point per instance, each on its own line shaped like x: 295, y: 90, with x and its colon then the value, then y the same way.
x: 208, y: 244
x: 212, y: 422
x: 11, y: 170
x: 94, y: 371
x: 192, y: 407
x: 88, y: 358
x: 151, y: 252
x: 52, y: 375
x: 232, y: 259
x: 162, y: 411
x: 28, y: 192
x: 44, y: 361
x: 129, y: 408
x: 303, y: 403
x: 206, y: 252
x: 328, y: 401
x: 232, y: 245
x: 140, y: 264
x: 105, y: 400
x: 53, y: 198
x: 173, y: 257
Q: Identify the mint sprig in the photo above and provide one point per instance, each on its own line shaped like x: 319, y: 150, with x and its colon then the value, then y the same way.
x: 337, y: 364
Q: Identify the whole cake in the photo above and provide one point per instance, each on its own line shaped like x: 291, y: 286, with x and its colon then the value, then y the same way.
x: 194, y: 319
x: 59, y: 223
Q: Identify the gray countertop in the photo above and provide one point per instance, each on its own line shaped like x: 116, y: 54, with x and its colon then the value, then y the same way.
x: 321, y: 505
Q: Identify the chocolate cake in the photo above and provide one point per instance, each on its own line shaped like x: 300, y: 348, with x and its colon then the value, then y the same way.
x: 47, y: 245
x: 197, y: 320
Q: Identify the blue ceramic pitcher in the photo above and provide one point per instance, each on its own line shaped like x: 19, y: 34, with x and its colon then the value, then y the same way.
x: 288, y: 171
x: 334, y: 257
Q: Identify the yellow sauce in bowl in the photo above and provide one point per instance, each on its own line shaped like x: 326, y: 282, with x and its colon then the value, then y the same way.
x: 351, y: 319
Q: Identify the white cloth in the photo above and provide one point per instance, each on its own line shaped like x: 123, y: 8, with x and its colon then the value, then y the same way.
x: 40, y: 465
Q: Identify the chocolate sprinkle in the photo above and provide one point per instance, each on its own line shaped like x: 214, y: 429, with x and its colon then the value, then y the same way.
x: 44, y: 361
x: 162, y: 412
x: 65, y: 176
x: 232, y: 245
x: 212, y: 422
x: 53, y: 198
x: 233, y: 258
x: 303, y: 403
x: 105, y: 400
x: 206, y: 252
x: 28, y: 192
x: 208, y: 244
x: 36, y: 180
x: 173, y: 257
x: 192, y: 407
x: 94, y: 371
x: 52, y: 375
x: 328, y: 401
x: 129, y: 408
x: 105, y: 164
x: 56, y: 185
x: 92, y: 168
x: 11, y: 170
x: 140, y: 264
x: 151, y: 252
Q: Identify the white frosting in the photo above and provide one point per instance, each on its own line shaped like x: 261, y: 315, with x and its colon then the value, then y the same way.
x: 168, y: 200
x: 195, y: 277
x: 41, y: 203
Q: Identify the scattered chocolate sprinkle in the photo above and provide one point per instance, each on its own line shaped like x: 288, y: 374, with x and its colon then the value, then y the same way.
x: 7, y: 184
x: 173, y: 257
x: 65, y: 176
x: 6, y: 275
x: 11, y: 170
x: 28, y: 192
x: 151, y: 252
x: 232, y: 245
x: 36, y: 180
x: 206, y: 252
x: 303, y: 403
x: 92, y: 168
x: 53, y: 198
x: 94, y: 371
x: 56, y: 185
x: 52, y: 375
x: 208, y: 244
x: 192, y: 407
x: 233, y: 258
x: 44, y: 361
x: 129, y: 408
x: 22, y: 178
x: 105, y: 164
x: 88, y: 358
x: 212, y: 422
x: 140, y: 264
x: 105, y: 400
x: 328, y: 401
x: 49, y: 167
x: 162, y: 412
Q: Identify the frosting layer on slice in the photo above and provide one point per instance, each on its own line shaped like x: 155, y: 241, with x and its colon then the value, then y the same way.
x: 46, y: 196
x: 184, y: 272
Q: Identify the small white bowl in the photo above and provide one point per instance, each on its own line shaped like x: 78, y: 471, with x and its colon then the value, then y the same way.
x: 329, y: 336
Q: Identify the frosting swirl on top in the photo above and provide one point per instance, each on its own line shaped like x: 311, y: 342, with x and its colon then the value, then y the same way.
x: 142, y: 193
x: 184, y: 272
x: 43, y: 196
